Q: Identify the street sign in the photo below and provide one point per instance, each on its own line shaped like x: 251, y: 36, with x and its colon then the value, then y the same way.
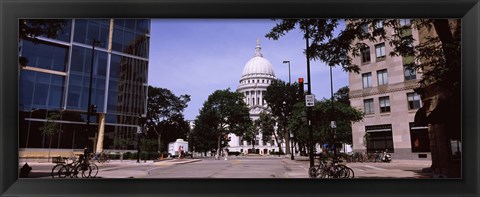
x: 310, y: 100
x: 333, y: 125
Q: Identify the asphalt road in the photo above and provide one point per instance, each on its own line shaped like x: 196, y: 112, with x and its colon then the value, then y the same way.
x: 240, y: 167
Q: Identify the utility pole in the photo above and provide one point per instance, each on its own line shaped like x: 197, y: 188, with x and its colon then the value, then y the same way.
x: 309, y: 109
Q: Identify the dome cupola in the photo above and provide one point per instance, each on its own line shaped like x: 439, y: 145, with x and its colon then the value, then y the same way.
x: 258, y: 66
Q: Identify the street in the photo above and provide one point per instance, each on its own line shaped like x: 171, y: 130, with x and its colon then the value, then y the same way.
x: 238, y: 167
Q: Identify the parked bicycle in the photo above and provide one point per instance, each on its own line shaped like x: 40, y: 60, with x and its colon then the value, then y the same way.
x: 100, y: 157
x: 330, y: 170
x: 81, y: 167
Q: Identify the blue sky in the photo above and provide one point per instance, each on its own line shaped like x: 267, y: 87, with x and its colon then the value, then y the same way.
x: 199, y: 56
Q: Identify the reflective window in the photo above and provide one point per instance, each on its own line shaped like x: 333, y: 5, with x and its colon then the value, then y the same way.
x: 40, y: 90
x: 45, y: 55
x: 63, y: 33
x: 126, y: 91
x: 88, y: 29
x: 130, y: 36
x: 80, y: 79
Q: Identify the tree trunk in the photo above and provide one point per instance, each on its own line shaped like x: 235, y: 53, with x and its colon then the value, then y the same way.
x: 218, y: 146
x: 278, y: 143
x: 49, y: 148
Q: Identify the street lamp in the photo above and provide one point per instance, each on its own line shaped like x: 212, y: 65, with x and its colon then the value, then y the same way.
x: 89, y: 105
x: 333, y: 124
x: 309, y: 109
x: 289, y: 80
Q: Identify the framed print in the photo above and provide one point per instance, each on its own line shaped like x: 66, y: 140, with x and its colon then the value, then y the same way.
x: 84, y: 78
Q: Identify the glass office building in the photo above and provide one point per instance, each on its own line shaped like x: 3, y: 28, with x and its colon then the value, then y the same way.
x: 56, y: 78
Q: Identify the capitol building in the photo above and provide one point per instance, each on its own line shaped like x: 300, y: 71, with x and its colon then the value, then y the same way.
x: 257, y: 75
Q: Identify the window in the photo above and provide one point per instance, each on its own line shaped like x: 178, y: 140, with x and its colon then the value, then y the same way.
x: 379, y: 138
x: 365, y: 55
x: 413, y: 100
x: 405, y: 22
x: 40, y: 90
x: 87, y: 30
x: 368, y: 106
x: 380, y: 51
x: 45, y: 55
x: 62, y: 34
x: 384, y: 104
x: 382, y: 77
x: 367, y: 80
x: 419, y: 138
x: 410, y: 73
x: 130, y: 36
x: 364, y: 28
x: 379, y: 24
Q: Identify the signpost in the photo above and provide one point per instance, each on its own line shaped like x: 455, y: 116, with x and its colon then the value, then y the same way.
x: 310, y: 100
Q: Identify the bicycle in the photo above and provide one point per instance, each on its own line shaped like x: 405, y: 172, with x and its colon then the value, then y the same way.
x: 332, y: 170
x: 58, y: 166
x: 68, y: 170
x: 100, y: 157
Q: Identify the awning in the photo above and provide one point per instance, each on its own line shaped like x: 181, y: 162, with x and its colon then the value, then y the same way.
x: 421, y: 116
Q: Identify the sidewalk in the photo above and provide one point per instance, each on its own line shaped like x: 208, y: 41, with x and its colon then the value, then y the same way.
x: 112, y: 169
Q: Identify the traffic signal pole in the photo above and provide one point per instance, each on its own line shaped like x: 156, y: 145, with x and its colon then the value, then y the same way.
x: 309, y: 109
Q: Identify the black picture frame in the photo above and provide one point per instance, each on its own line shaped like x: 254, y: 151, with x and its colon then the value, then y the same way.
x: 11, y: 11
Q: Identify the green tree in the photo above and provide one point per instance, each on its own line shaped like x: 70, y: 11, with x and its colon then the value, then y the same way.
x: 165, y: 115
x: 342, y: 95
x: 224, y: 112
x: 50, y: 128
x: 203, y: 137
x: 266, y: 125
x: 281, y: 97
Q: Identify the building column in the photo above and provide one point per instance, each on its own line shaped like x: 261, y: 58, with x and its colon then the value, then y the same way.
x: 101, y: 132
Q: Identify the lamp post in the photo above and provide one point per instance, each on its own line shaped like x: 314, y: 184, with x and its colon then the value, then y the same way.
x: 139, y: 132
x: 289, y: 79
x: 333, y: 124
x: 309, y: 109
x: 89, y: 107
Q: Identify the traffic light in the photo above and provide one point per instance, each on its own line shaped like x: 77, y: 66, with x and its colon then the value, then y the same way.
x: 300, y: 87
x: 93, y: 108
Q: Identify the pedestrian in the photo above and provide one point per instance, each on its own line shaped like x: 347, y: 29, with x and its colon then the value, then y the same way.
x: 179, y: 151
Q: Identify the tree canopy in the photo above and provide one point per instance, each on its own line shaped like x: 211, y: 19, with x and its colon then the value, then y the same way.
x: 281, y: 97
x: 165, y: 116
x: 335, y: 50
x: 224, y: 112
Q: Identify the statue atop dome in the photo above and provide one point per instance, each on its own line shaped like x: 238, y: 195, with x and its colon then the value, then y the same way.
x: 257, y: 49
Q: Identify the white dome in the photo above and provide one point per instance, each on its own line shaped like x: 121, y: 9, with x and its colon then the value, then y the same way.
x: 258, y: 65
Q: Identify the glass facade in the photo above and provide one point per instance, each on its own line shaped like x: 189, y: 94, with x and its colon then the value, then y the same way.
x: 57, y: 77
x: 45, y: 55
